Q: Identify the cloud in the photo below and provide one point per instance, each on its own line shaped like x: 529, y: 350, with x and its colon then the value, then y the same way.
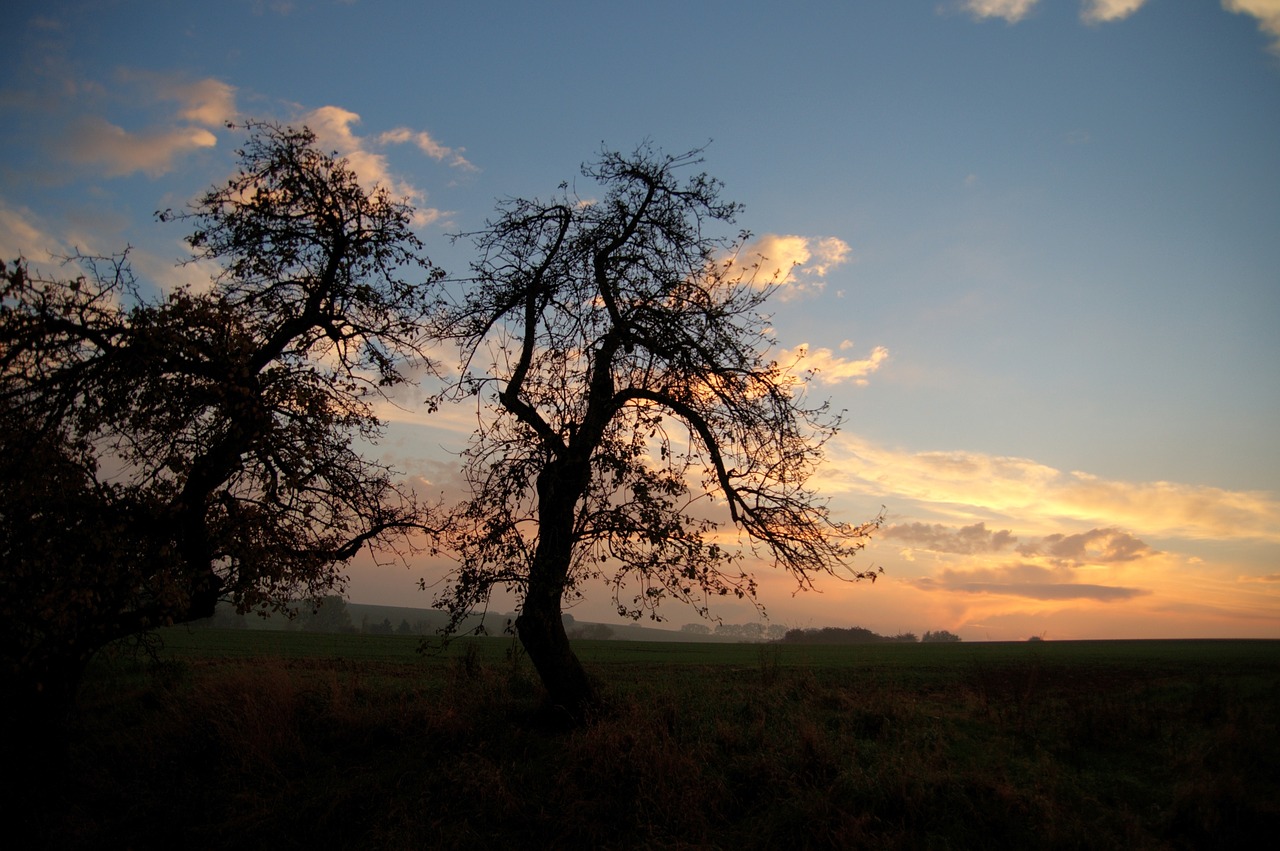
x: 21, y: 235
x: 966, y: 540
x: 1091, y: 12
x: 1101, y: 11
x: 95, y: 141
x: 1010, y: 10
x: 429, y: 146
x: 1025, y: 580
x: 1097, y: 546
x: 1266, y: 11
x: 209, y: 102
x: 799, y: 263
x: 969, y: 483
x: 829, y: 368
x: 334, y: 129
x: 88, y: 139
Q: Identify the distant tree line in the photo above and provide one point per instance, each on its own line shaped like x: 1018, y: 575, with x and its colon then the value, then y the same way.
x: 326, y: 614
x: 861, y: 635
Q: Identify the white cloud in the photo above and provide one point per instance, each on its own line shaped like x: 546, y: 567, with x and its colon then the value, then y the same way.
x: 799, y: 263
x: 830, y: 368
x: 1101, y: 11
x: 95, y: 141
x: 1010, y: 10
x: 1266, y: 11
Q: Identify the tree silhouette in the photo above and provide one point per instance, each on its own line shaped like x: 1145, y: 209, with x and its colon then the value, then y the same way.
x: 621, y: 349
x: 162, y: 453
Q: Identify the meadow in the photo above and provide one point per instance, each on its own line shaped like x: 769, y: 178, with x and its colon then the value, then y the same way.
x: 246, y: 739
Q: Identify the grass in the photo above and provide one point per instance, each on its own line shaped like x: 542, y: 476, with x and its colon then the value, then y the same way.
x: 284, y: 740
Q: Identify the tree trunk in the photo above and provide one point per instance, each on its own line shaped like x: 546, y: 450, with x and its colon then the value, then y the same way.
x: 540, y: 625
x: 542, y: 633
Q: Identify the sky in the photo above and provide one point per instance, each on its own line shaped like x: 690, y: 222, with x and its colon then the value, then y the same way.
x: 1032, y: 246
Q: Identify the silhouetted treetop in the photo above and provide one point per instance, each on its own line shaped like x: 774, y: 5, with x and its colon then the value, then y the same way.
x: 618, y: 346
x: 202, y: 445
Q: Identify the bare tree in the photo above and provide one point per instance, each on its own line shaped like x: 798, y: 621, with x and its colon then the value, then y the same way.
x: 621, y: 350
x: 161, y: 454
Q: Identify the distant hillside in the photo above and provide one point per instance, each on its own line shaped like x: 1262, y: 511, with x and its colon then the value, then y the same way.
x: 367, y: 617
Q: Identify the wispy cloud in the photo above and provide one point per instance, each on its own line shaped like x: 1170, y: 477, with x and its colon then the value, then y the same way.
x: 829, y: 368
x: 1091, y: 12
x: 965, y: 540
x: 429, y: 146
x: 118, y: 152
x: 208, y: 102
x: 1026, y: 580
x: 969, y: 484
x: 85, y: 137
x: 22, y: 235
x: 335, y: 128
x: 1266, y: 11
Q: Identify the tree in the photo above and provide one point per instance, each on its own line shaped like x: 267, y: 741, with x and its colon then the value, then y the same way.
x: 621, y: 353
x: 161, y: 453
x: 940, y: 636
x: 327, y: 614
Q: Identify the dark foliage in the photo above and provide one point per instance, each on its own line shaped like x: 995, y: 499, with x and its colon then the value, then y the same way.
x: 161, y: 454
x: 621, y: 350
x: 843, y: 635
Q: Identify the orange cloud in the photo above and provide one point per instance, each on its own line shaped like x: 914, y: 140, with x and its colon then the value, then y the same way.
x: 799, y: 263
x: 96, y: 141
x: 1026, y: 580
x: 334, y: 128
x: 829, y: 368
x: 208, y: 102
x: 973, y: 484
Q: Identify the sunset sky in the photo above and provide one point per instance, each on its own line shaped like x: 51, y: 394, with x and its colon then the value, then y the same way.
x: 1038, y: 247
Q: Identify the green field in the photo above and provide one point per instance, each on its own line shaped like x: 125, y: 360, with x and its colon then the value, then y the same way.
x: 270, y: 739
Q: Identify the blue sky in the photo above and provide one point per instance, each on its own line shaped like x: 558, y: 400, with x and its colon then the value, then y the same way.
x: 1038, y: 245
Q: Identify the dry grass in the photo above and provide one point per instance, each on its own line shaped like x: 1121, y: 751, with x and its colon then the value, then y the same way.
x: 456, y: 753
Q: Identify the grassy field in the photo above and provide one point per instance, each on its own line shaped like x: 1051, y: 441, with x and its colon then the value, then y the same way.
x: 239, y: 739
